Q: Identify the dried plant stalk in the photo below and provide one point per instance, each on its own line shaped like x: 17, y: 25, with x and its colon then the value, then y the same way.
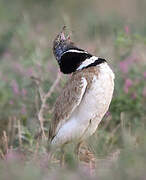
x: 44, y: 97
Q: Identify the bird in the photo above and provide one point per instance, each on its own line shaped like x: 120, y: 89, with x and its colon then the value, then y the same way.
x: 86, y: 96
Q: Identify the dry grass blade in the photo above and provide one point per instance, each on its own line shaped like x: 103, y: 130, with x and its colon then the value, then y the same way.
x: 19, y: 133
x: 5, y: 141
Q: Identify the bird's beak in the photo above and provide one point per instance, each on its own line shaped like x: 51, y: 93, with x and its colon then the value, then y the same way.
x: 62, y: 35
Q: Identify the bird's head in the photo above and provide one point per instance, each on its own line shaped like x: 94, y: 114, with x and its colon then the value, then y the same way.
x: 61, y: 44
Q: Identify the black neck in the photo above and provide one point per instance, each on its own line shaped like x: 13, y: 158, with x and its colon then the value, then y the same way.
x: 71, y: 61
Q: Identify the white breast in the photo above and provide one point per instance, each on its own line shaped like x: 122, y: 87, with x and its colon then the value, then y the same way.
x: 96, y: 102
x: 86, y: 118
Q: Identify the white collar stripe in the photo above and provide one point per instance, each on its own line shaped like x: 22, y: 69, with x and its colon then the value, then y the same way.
x: 87, y: 62
x: 76, y: 51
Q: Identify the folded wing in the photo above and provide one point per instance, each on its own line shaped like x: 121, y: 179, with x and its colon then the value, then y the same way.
x: 67, y: 102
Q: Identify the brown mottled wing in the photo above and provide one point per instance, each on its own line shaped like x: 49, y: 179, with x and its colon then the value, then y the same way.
x: 66, y: 103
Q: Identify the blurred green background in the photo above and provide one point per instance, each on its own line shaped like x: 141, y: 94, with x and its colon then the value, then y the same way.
x: 114, y: 30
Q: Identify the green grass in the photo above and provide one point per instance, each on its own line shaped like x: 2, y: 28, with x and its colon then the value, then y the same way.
x: 26, y: 34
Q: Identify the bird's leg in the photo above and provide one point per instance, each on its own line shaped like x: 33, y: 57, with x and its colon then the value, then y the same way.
x: 77, y: 150
x: 62, y: 156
